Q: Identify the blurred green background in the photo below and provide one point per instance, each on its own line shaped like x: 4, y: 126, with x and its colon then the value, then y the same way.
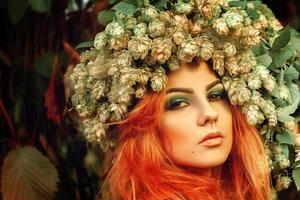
x: 36, y: 47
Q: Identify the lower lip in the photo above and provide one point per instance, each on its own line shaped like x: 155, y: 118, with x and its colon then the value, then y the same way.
x: 212, y: 142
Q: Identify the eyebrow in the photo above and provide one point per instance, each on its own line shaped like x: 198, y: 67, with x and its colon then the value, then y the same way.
x: 191, y: 91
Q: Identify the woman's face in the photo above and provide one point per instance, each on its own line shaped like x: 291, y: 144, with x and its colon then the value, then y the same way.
x: 196, y: 124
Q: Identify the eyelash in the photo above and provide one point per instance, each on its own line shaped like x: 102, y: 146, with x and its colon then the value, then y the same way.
x: 216, y: 96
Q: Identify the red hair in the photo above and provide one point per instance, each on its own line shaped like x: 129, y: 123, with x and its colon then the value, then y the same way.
x: 141, y: 169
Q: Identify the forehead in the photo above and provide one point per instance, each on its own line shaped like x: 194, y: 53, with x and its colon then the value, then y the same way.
x: 193, y: 75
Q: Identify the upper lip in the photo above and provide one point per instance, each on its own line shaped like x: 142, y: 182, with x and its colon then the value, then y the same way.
x: 210, y: 136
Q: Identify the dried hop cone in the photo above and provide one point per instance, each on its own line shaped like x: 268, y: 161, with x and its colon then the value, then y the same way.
x: 254, y: 82
x: 118, y: 110
x: 283, y: 182
x: 206, y: 50
x: 103, y: 112
x: 233, y: 19
x: 115, y: 29
x: 161, y: 49
x: 253, y: 114
x: 183, y: 8
x: 140, y: 29
x: 179, y: 36
x: 144, y: 75
x: 119, y: 43
x: 187, y: 51
x: 130, y: 22
x: 140, y: 92
x: 249, y: 37
x: 100, y: 40
x: 284, y: 92
x: 218, y: 62
x: 238, y: 92
x: 158, y: 79
x: 220, y: 26
x: 149, y: 13
x: 229, y: 49
x: 173, y: 63
x: 156, y: 28
x: 195, y: 27
x: 181, y: 21
x: 139, y: 47
x: 231, y: 64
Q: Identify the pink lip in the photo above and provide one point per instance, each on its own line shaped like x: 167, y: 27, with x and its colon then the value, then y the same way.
x: 211, y: 136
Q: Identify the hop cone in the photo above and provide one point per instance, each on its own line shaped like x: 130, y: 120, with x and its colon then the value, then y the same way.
x: 206, y: 50
x: 173, y: 63
x: 100, y: 40
x: 140, y: 30
x: 149, y: 13
x: 187, y: 51
x: 220, y: 26
x: 156, y: 28
x: 238, y: 92
x: 103, y: 112
x: 158, y: 79
x: 182, y: 8
x: 229, y: 49
x: 253, y: 113
x: 140, y: 92
x: 117, y: 111
x: 179, y: 36
x: 144, y: 75
x: 161, y: 49
x: 231, y: 64
x: 139, y: 47
x: 115, y: 29
x: 284, y: 92
x: 282, y: 182
x: 218, y: 62
x: 233, y: 19
x: 254, y: 82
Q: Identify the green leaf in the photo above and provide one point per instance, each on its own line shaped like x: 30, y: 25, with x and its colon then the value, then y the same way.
x: 282, y: 40
x: 296, y: 164
x: 283, y: 113
x: 44, y: 65
x: 16, y: 10
x: 284, y: 137
x: 112, y: 1
x: 106, y: 16
x: 252, y: 13
x: 281, y: 56
x: 264, y: 60
x: 160, y: 4
x: 86, y: 44
x: 285, y: 149
x: 294, y: 44
x: 296, y: 177
x: 28, y: 175
x: 41, y: 6
x: 242, y: 4
x: 125, y: 8
x: 291, y: 74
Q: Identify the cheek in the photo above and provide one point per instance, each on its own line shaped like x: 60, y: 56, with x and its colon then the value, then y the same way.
x: 176, y: 133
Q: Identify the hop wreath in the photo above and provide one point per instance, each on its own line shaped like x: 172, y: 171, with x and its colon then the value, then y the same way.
x: 256, y: 58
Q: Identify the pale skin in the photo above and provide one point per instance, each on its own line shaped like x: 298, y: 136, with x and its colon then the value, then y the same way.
x: 195, y: 105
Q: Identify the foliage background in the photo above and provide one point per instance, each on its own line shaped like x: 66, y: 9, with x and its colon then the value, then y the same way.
x: 36, y: 47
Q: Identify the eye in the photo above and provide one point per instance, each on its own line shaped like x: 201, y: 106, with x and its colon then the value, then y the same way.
x: 217, y: 95
x: 176, y: 104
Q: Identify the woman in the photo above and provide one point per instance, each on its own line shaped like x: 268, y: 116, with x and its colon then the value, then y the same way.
x: 188, y: 142
x: 146, y: 88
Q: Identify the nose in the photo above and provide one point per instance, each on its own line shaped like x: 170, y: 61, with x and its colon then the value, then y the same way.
x: 207, y: 115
